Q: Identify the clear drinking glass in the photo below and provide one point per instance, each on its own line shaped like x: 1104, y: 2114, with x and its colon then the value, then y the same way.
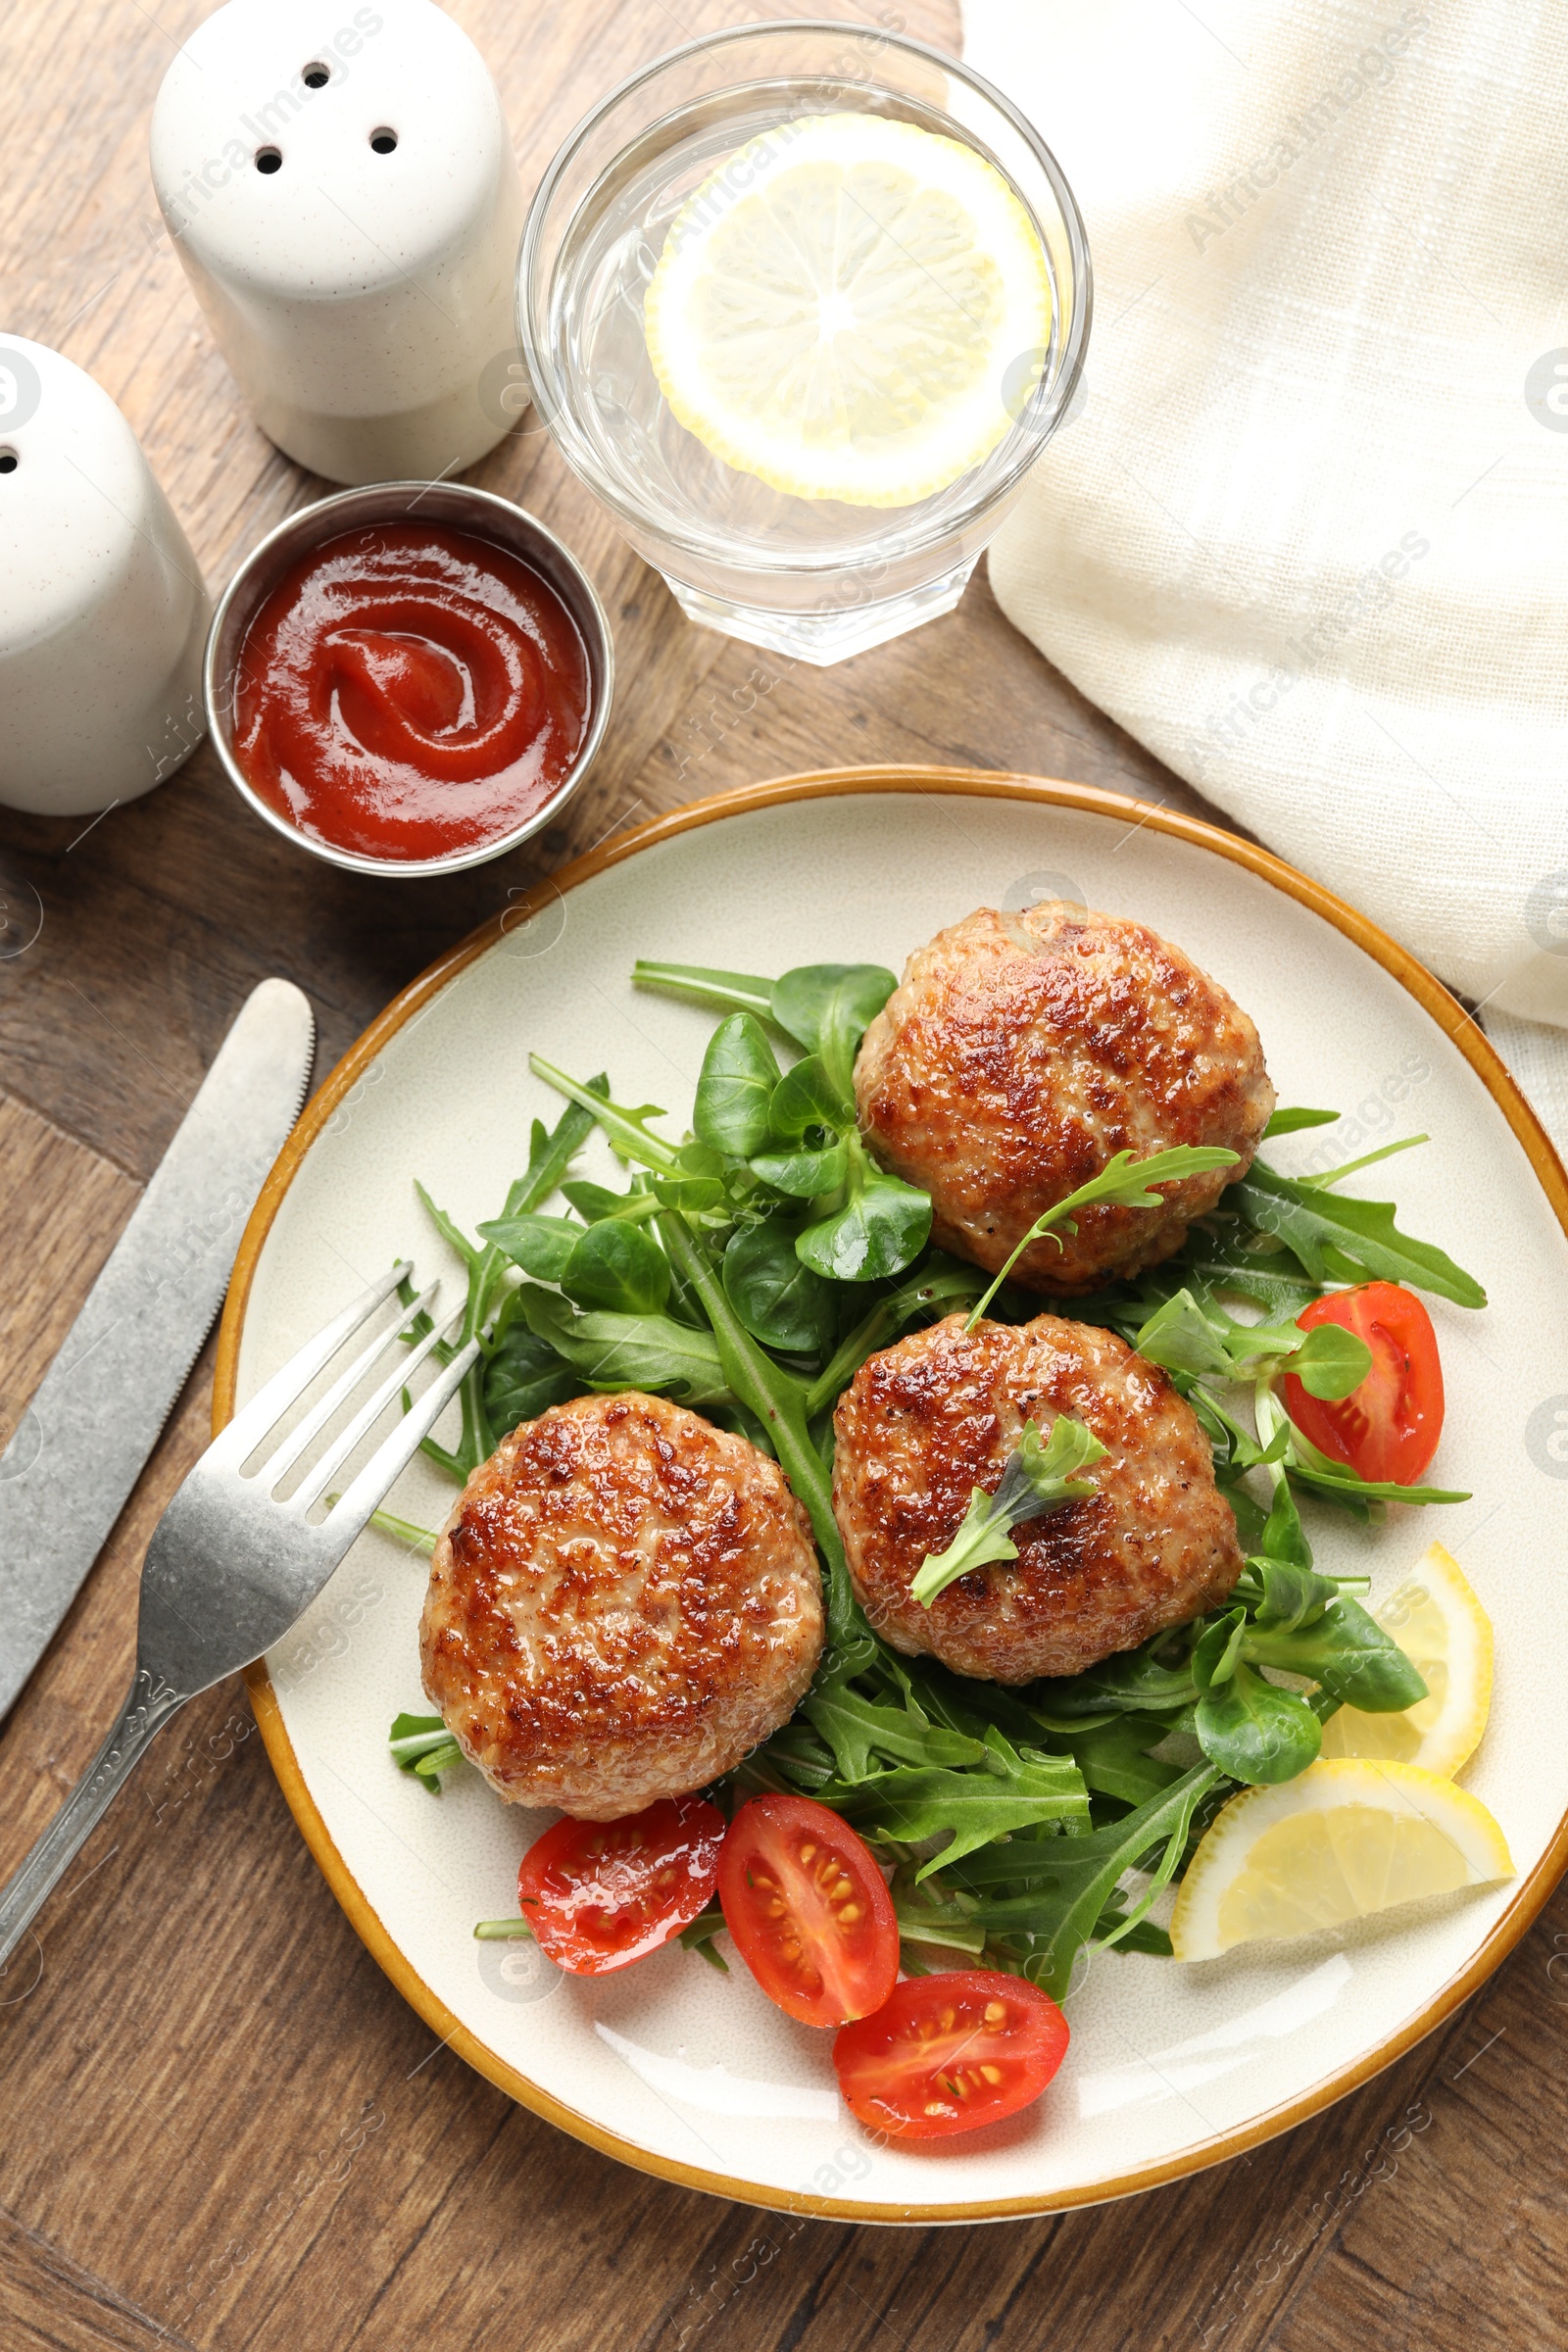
x: 812, y: 578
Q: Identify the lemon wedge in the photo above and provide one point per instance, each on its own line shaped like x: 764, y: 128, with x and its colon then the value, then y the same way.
x: 850, y: 308
x: 1446, y: 1635
x: 1344, y: 1838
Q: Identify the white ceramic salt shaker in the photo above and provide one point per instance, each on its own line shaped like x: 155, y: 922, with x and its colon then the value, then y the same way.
x: 103, y: 615
x: 346, y: 203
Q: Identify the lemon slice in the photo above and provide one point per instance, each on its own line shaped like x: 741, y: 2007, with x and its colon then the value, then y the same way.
x: 1446, y: 1635
x: 850, y: 308
x: 1344, y: 1838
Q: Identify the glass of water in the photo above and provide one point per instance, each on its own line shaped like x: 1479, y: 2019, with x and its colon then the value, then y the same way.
x: 814, y: 577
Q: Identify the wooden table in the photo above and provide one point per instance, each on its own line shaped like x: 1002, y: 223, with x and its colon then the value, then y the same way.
x: 221, y: 2125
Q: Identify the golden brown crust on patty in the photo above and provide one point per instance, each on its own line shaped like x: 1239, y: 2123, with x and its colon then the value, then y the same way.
x: 625, y: 1602
x: 1021, y: 1052
x: 926, y: 1421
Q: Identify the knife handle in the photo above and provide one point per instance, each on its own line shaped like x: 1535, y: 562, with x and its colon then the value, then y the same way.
x: 149, y: 1704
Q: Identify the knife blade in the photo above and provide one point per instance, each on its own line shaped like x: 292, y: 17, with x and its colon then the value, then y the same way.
x: 81, y: 1444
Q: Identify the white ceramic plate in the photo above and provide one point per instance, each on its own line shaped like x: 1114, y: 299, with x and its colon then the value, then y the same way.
x: 669, y: 2065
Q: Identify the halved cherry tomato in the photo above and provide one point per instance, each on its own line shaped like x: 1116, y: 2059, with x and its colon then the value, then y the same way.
x: 809, y: 1909
x: 599, y: 1895
x: 948, y: 2053
x: 1389, y: 1427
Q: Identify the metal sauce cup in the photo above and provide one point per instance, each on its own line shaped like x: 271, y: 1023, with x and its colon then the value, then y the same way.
x: 485, y: 517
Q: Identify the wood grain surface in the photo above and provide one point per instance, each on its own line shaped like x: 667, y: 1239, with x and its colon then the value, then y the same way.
x: 219, y: 2125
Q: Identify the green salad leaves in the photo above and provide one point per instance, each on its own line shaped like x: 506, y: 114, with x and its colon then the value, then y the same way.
x: 1038, y: 1478
x: 750, y: 1267
x: 1122, y: 1183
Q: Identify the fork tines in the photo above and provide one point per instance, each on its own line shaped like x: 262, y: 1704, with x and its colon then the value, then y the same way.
x: 255, y: 1421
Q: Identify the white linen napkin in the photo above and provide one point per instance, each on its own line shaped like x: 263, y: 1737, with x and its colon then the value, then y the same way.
x: 1307, y: 536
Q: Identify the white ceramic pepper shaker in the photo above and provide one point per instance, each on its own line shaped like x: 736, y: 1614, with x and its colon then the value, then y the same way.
x: 346, y: 207
x: 103, y: 615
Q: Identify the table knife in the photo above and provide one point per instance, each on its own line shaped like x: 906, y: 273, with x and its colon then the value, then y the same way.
x: 77, y: 1451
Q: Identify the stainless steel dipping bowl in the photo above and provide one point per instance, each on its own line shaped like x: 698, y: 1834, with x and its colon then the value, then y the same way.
x: 477, y: 511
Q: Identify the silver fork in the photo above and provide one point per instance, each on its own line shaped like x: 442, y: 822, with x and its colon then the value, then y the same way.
x: 229, y: 1568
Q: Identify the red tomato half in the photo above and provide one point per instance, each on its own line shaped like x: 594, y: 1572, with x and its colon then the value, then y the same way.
x: 948, y: 2053
x: 599, y: 1895
x: 1389, y: 1425
x: 809, y: 1909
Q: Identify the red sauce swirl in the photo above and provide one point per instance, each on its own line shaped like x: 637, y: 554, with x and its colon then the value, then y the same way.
x: 410, y: 690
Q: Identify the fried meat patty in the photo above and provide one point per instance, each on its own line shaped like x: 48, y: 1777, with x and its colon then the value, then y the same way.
x: 1022, y: 1052
x: 626, y: 1601
x: 933, y: 1417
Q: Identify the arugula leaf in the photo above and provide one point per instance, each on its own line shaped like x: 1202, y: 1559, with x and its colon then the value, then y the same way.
x: 415, y: 1736
x: 550, y: 1152
x: 1221, y: 1254
x: 1113, y: 1925
x: 1342, y: 1485
x: 856, y: 1728
x: 486, y: 1272
x: 737, y: 1081
x: 1025, y: 1789
x: 699, y: 1937
x: 1036, y: 1479
x: 1333, y: 1480
x: 613, y: 1352
x: 401, y: 1531
x: 975, y: 1708
x: 1115, y: 1759
x: 1071, y: 1881
x: 741, y: 992
x: 945, y: 1928
x: 1143, y: 1681
x: 450, y: 1231
x: 1122, y: 1183
x: 1328, y: 1233
x: 629, y: 1134
x: 422, y: 1745
x: 781, y: 1301
x: 1288, y: 1121
x: 1368, y: 1160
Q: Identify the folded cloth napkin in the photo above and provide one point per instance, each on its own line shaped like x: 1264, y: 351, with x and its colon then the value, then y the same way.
x: 1306, y: 534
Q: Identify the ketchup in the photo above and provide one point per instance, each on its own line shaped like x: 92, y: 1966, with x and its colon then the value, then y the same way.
x: 410, y: 690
